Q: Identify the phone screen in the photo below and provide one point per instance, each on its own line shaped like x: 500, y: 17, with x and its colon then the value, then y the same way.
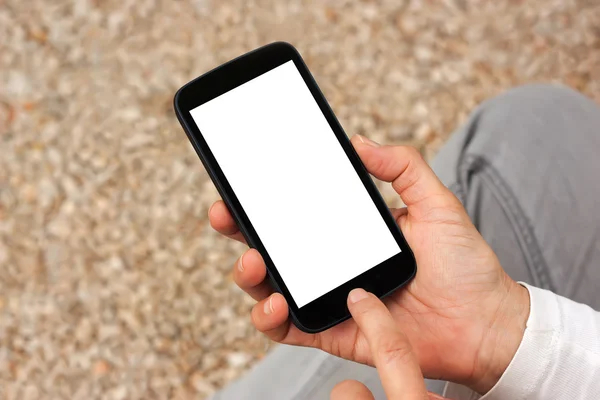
x: 296, y: 184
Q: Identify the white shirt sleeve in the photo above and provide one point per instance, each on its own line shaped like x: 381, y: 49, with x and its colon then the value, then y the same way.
x: 558, y: 358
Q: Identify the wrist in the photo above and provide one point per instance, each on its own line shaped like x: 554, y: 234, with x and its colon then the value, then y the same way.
x: 503, y: 336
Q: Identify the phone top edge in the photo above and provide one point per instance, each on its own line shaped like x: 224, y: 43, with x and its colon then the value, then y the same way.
x: 266, y: 47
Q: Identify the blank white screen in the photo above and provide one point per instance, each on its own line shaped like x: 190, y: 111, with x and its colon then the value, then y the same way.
x: 300, y: 191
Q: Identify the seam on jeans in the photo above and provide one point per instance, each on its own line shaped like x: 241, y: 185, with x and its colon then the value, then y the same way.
x: 517, y: 218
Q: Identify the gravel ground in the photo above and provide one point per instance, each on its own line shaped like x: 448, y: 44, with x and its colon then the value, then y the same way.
x: 112, y: 284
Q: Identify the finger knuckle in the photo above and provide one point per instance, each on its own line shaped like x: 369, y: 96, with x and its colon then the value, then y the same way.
x: 412, y: 153
x: 377, y: 165
x: 257, y: 317
x: 364, y: 309
x: 393, y: 353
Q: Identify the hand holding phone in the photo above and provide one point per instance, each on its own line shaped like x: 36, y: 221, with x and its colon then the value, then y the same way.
x: 462, y: 314
x: 296, y: 191
x: 270, y: 143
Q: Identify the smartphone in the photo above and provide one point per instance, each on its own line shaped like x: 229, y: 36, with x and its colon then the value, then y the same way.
x: 294, y: 184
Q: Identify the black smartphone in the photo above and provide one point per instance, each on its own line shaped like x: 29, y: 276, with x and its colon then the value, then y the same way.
x: 294, y: 184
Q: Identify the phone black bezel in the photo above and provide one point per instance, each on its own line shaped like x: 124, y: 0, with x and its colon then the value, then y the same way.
x: 331, y: 308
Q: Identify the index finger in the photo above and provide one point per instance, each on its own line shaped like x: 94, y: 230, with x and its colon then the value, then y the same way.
x: 396, y: 363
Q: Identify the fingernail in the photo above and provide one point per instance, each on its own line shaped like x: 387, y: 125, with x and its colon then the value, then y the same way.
x: 241, y: 263
x: 268, y: 307
x: 367, y: 141
x: 357, y: 295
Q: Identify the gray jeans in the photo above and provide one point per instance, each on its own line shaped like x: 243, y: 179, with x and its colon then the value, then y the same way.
x: 527, y: 168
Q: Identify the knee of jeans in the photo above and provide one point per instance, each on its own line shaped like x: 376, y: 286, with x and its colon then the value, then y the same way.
x: 527, y: 114
x: 538, y: 95
x: 521, y: 122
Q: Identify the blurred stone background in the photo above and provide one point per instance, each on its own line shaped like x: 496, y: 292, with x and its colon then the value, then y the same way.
x: 112, y: 284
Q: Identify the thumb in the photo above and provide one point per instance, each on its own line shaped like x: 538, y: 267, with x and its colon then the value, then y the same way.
x: 410, y: 175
